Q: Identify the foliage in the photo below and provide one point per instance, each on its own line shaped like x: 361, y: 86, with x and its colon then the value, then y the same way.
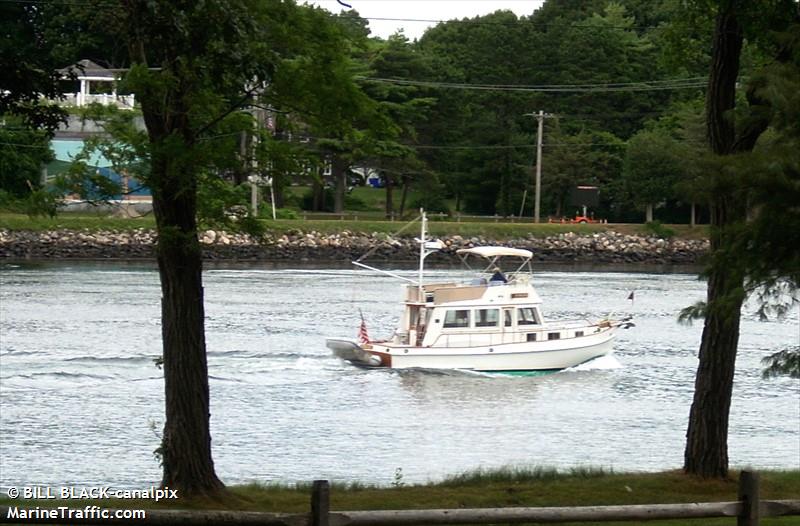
x: 265, y: 212
x: 41, y: 202
x: 397, y: 482
x: 316, y: 84
x: 659, y: 230
x: 215, y: 200
x: 576, y: 43
x: 29, y: 74
x: 652, y: 168
x: 307, y: 201
x: 214, y: 58
x: 23, y: 154
x: 785, y: 362
x: 352, y: 202
x: 432, y: 203
x: 733, y: 129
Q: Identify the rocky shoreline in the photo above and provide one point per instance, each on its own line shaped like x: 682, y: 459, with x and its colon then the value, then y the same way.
x: 296, y: 245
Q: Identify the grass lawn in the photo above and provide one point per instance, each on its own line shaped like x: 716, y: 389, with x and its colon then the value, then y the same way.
x: 502, y: 488
x: 74, y: 221
x: 487, y: 228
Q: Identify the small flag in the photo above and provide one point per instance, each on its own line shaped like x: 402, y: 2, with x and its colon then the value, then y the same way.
x: 363, y: 335
x: 630, y: 296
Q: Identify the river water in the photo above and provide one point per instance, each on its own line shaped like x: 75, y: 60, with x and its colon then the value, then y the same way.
x: 81, y: 401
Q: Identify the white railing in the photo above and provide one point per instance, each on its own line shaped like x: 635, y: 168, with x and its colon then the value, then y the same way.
x: 124, y: 102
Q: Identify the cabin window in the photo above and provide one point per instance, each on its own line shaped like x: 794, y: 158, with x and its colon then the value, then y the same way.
x: 578, y: 334
x: 553, y: 335
x: 456, y: 318
x: 531, y: 336
x: 507, y: 318
x: 487, y: 317
x: 527, y: 316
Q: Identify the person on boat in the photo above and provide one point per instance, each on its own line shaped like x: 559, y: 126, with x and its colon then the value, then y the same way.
x: 498, y: 276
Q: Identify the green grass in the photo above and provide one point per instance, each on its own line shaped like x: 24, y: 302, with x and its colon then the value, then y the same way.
x: 74, y: 221
x: 488, y: 228
x: 436, y: 228
x: 507, y: 487
x: 374, y: 199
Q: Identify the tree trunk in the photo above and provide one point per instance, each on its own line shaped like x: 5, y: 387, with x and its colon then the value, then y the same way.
x: 240, y: 173
x: 648, y: 213
x: 706, y: 452
x: 404, y: 196
x: 693, y: 216
x: 186, y: 443
x: 318, y: 193
x: 339, y: 172
x: 279, y: 193
x: 387, y: 181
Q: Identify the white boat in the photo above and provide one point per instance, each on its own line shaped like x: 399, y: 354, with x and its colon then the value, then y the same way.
x: 492, y: 323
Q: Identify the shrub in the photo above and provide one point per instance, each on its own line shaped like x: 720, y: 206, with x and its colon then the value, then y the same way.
x: 659, y: 230
x: 265, y: 212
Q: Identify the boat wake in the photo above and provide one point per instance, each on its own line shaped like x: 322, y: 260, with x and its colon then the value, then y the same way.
x: 607, y: 362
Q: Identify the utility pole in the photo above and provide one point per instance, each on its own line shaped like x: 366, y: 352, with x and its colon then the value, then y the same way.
x: 538, y: 195
x: 537, y: 199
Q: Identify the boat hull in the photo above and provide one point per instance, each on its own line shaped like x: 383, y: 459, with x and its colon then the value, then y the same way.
x: 351, y: 351
x: 526, y: 356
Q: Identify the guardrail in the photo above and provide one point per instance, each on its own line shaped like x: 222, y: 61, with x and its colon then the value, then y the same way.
x: 748, y: 510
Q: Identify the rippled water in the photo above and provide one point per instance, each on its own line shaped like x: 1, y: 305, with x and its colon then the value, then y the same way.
x: 81, y: 401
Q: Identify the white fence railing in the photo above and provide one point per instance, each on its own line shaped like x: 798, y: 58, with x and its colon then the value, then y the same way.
x: 125, y: 102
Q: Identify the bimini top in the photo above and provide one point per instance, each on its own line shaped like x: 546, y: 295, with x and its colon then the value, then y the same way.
x: 493, y: 252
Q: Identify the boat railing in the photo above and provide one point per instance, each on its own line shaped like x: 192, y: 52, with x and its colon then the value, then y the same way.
x: 543, y: 333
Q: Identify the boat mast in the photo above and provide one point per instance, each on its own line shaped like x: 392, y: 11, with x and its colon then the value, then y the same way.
x: 422, y: 251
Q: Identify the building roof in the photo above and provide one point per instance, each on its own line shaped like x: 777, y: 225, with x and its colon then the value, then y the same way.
x: 86, y: 68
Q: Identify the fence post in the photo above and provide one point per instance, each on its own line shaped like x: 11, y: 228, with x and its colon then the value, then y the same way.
x: 320, y: 503
x: 748, y: 494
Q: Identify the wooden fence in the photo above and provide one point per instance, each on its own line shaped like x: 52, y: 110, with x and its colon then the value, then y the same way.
x: 748, y: 510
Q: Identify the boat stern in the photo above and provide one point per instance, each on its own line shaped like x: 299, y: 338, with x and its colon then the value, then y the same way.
x: 353, y: 352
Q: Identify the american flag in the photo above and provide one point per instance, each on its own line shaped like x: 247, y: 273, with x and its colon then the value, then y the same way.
x: 363, y: 335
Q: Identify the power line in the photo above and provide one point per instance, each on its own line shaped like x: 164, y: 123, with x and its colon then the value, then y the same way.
x: 477, y: 20
x: 657, y: 85
x: 506, y: 23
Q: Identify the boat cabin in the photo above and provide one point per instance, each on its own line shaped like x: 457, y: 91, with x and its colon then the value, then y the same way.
x: 485, y: 311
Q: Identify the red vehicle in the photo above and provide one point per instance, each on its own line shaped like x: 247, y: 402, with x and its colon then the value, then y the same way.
x: 581, y: 218
x: 585, y: 219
